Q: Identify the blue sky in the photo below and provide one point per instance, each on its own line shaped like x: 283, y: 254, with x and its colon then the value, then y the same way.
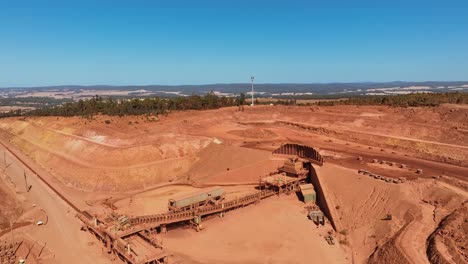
x: 198, y: 42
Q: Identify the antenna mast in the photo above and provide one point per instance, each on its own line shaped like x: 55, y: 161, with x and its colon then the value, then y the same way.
x: 252, y: 79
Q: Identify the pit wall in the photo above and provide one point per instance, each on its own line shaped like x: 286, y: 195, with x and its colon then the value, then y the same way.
x: 301, y: 151
x: 321, y: 198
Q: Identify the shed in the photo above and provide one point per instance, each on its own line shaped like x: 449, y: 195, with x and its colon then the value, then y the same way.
x: 306, y: 186
x: 308, y: 193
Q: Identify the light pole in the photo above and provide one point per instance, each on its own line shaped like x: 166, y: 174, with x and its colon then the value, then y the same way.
x: 252, y: 79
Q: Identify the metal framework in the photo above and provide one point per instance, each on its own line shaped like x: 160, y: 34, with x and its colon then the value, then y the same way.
x: 119, y: 233
x: 118, y: 239
x: 302, y: 151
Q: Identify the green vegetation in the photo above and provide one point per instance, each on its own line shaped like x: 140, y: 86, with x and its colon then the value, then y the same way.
x: 158, y: 106
x: 148, y: 106
x: 280, y: 102
x: 414, y: 99
x: 403, y: 100
x: 33, y: 101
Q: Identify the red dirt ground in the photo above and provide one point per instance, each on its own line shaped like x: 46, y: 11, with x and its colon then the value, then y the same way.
x: 127, y: 161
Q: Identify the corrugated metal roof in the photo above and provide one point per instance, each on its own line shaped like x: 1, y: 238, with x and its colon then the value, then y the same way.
x: 308, y: 191
x: 197, y: 198
x: 192, y: 194
x: 306, y: 186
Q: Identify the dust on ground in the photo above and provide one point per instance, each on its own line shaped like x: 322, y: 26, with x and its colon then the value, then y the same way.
x: 135, y: 163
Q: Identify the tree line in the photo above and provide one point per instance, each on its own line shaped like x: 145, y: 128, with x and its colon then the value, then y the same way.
x: 150, y: 106
x: 32, y: 101
x: 157, y: 105
x: 404, y: 100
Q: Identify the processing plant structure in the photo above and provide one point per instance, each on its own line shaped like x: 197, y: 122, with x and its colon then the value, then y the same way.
x: 134, y: 239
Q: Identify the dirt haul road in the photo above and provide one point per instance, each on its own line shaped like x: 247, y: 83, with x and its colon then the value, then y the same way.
x: 97, y: 160
x: 61, y: 233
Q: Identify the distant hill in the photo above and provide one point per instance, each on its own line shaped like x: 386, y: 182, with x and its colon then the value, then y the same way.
x: 262, y: 90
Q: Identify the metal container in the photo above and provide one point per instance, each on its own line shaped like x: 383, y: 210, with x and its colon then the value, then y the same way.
x: 196, y: 198
x: 307, y: 186
x: 309, y: 196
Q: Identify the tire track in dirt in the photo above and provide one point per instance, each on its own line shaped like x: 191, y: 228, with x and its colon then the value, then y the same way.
x: 431, y: 167
x: 77, y: 137
x: 328, y: 130
x: 411, y: 242
x: 103, y: 144
x: 447, y: 244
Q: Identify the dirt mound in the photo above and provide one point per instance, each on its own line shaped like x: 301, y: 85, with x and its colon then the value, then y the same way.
x: 388, y: 253
x: 127, y: 154
x: 449, y: 242
x: 135, y: 152
x: 359, y: 206
x: 218, y: 159
x: 90, y: 158
x: 254, y: 133
x: 402, y: 246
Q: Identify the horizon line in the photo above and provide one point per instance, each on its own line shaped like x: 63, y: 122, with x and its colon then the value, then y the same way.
x: 210, y: 84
